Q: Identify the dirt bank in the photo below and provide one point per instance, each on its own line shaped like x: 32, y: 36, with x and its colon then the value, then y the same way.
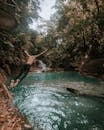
x: 10, y: 117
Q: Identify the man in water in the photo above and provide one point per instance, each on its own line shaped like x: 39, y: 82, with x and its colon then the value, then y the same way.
x: 25, y: 69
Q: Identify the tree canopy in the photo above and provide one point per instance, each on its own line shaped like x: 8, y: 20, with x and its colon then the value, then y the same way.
x: 76, y: 29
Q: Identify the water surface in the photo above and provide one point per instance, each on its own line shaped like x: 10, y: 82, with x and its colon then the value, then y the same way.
x: 42, y: 97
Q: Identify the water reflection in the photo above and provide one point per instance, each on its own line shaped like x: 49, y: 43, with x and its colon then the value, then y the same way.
x: 48, y: 105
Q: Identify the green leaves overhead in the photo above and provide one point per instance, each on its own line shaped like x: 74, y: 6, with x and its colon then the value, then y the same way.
x: 79, y: 24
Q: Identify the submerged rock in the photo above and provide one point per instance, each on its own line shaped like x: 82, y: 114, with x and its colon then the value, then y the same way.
x: 72, y: 90
x: 96, y: 89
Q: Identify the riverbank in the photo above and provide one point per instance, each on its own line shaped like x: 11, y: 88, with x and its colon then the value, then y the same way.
x: 10, y: 117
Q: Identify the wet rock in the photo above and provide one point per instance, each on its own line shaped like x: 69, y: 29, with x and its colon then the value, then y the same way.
x: 72, y: 90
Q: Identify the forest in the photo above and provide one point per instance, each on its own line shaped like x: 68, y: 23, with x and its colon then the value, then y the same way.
x: 74, y: 31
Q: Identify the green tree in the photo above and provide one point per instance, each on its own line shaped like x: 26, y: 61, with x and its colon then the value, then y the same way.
x: 28, y: 11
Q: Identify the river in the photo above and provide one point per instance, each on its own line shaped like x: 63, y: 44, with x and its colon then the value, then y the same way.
x: 43, y: 99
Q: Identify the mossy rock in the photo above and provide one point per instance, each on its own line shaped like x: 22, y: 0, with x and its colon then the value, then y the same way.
x: 94, y: 67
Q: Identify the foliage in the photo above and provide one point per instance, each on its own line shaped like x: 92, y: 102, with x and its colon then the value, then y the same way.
x: 78, y: 25
x: 75, y: 29
x: 29, y: 10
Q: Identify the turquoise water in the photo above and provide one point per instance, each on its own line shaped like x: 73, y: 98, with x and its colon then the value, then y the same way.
x: 42, y: 97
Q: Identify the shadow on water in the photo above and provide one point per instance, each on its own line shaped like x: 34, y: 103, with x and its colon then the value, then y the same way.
x: 47, y: 105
